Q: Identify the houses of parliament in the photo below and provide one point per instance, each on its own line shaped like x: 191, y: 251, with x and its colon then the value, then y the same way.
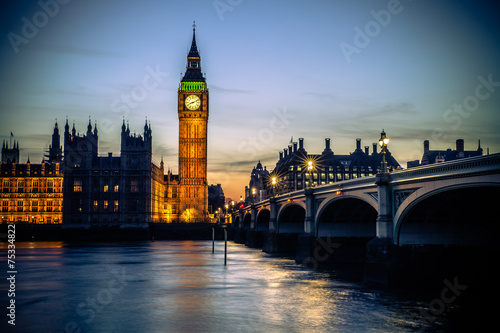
x: 75, y: 186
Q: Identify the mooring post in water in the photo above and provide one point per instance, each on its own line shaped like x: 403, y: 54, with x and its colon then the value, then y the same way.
x: 213, y: 239
x: 225, y: 247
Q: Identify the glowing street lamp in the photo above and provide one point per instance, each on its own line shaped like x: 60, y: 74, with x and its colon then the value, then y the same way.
x: 310, y: 168
x: 273, y: 184
x: 384, y: 140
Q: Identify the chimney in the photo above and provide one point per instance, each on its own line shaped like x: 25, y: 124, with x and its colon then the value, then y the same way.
x: 460, y: 145
x: 290, y: 150
x: 374, y: 148
x: 358, y: 144
x: 281, y: 155
x: 327, y: 144
x: 460, y: 148
x: 301, y: 143
x: 366, y: 150
x: 426, y: 146
x: 295, y: 147
x: 285, y: 151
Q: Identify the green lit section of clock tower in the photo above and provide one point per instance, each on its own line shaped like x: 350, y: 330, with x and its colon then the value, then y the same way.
x: 193, y: 118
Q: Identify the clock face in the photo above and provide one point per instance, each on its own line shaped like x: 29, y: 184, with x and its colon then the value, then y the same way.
x: 192, y: 102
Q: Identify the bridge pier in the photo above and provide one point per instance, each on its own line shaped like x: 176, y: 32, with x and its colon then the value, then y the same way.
x: 284, y: 244
x: 239, y: 235
x: 379, y: 266
x: 306, y: 241
x: 273, y: 213
x: 254, y: 239
x: 239, y: 231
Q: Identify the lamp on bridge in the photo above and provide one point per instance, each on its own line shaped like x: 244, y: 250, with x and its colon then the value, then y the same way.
x: 384, y: 140
x: 226, y: 214
x: 254, y: 191
x: 273, y: 184
x: 309, y: 170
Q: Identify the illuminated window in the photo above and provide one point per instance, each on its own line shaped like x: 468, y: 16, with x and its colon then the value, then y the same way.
x: 50, y: 186
x: 5, y: 206
x: 116, y: 188
x: 19, y: 205
x: 115, y: 206
x: 106, y: 187
x: 133, y: 186
x: 105, y: 204
x: 49, y: 206
x: 77, y: 185
x: 95, y: 205
x: 35, y: 186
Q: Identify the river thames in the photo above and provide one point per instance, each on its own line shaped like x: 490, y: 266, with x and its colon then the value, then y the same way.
x: 180, y: 286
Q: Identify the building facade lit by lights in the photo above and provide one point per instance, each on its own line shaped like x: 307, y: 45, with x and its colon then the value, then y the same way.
x: 193, y: 118
x: 115, y: 190
x: 257, y: 187
x: 109, y: 190
x: 292, y: 173
x: 31, y: 193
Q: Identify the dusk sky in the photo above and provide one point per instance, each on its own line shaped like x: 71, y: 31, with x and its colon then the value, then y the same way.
x: 343, y: 70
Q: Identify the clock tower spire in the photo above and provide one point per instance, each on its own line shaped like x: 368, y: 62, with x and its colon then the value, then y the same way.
x: 192, y: 107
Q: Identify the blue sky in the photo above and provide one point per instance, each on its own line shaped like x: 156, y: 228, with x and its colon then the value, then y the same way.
x: 419, y: 69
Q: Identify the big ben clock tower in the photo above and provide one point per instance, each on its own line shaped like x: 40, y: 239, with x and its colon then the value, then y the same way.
x: 193, y: 118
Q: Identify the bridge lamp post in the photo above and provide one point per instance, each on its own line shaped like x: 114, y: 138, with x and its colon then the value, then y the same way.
x: 384, y: 140
x: 273, y: 185
x: 225, y: 215
x: 254, y: 191
x: 309, y: 170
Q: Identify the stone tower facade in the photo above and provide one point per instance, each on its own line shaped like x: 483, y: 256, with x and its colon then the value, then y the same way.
x: 193, y: 118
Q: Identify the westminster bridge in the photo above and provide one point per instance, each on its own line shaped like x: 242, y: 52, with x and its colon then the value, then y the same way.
x: 446, y: 206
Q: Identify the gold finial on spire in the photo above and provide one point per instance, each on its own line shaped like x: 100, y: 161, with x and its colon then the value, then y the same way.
x: 194, y: 26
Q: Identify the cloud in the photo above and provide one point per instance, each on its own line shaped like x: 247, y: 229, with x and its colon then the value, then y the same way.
x: 403, y: 108
x: 73, y: 50
x: 235, y: 91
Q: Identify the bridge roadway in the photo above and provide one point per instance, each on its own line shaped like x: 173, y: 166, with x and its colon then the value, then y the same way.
x: 450, y: 204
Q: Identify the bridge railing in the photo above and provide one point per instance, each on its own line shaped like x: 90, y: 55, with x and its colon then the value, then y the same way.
x: 337, y: 186
x: 485, y: 163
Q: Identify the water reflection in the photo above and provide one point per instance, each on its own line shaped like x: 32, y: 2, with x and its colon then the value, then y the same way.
x: 180, y: 286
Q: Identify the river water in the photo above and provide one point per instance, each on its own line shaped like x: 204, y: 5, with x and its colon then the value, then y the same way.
x: 180, y: 286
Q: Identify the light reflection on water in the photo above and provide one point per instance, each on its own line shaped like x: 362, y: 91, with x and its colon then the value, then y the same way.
x: 180, y: 286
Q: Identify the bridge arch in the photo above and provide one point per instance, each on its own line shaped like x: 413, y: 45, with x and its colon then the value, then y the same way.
x: 262, y: 221
x: 451, y: 215
x: 291, y: 218
x: 346, y: 216
x: 247, y: 220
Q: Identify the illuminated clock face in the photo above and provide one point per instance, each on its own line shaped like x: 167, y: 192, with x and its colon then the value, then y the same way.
x: 192, y: 102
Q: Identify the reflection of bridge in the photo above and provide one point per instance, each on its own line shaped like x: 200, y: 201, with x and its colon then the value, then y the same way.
x: 449, y: 203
